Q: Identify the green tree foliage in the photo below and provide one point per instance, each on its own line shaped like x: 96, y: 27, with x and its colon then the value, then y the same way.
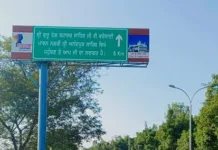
x: 102, y: 145
x: 147, y: 139
x: 73, y: 112
x: 177, y: 120
x: 183, y: 141
x: 63, y: 139
x: 144, y: 140
x: 207, y: 121
x: 5, y: 47
x: 118, y: 143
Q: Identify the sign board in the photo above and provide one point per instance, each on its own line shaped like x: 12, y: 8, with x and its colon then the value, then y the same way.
x: 21, y: 47
x: 138, y: 50
x: 80, y: 44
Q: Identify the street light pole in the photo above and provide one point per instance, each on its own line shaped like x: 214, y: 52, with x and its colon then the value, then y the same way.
x: 190, y: 125
x: 190, y: 110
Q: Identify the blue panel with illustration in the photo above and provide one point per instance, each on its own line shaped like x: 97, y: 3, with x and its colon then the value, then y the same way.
x: 138, y: 43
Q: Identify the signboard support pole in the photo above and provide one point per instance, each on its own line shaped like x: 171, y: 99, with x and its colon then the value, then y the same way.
x: 43, y: 78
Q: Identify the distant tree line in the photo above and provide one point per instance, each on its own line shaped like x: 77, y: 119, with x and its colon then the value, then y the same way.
x: 173, y: 133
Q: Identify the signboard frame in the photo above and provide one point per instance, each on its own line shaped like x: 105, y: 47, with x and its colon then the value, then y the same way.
x: 141, y: 61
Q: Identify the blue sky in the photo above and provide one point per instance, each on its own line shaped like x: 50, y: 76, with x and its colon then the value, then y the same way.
x: 183, y: 51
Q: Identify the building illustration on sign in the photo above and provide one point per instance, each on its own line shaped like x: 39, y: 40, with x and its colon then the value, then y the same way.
x: 138, y: 50
x: 139, y: 47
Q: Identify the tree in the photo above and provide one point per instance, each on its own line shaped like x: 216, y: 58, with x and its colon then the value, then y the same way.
x: 120, y: 143
x: 177, y: 120
x: 147, y: 139
x: 117, y: 143
x: 5, y: 46
x: 207, y: 121
x: 183, y: 141
x: 72, y: 109
x: 102, y: 145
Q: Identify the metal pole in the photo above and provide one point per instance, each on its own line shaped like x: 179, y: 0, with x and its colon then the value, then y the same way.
x: 190, y: 117
x: 190, y: 126
x: 43, y: 77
